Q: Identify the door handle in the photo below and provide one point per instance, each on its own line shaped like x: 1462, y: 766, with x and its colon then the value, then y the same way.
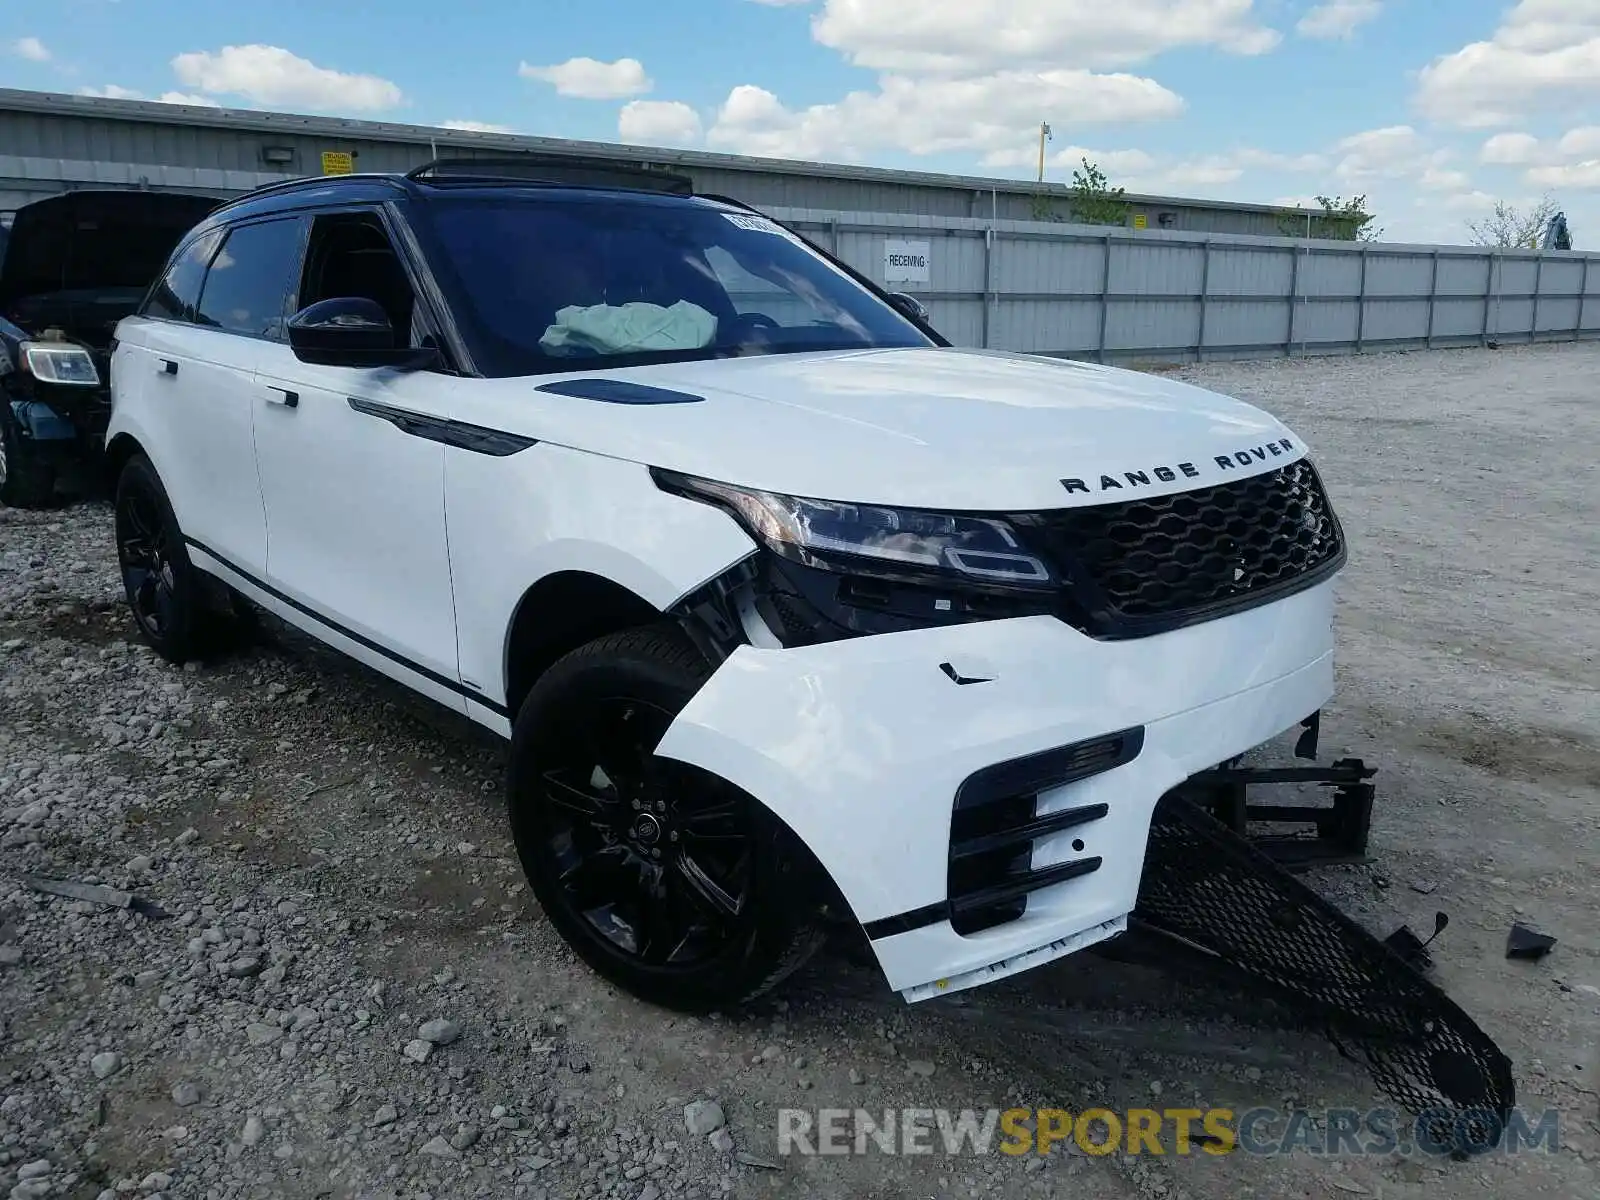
x: 283, y: 396
x: 166, y: 366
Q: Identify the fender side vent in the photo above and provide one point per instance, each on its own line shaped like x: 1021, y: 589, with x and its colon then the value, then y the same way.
x: 995, y: 823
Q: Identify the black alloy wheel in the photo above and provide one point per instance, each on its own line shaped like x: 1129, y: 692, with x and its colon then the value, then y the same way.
x: 147, y: 570
x: 163, y: 588
x: 668, y: 881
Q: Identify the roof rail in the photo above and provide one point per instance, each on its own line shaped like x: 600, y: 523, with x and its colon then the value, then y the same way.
x: 570, y: 170
x: 303, y: 181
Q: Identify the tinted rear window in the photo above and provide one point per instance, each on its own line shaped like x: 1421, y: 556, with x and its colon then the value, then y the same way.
x: 247, y: 288
x: 173, y: 298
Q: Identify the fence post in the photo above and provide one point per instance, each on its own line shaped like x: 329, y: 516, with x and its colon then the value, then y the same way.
x: 1105, y: 301
x: 1294, y: 300
x: 833, y: 236
x: 1491, y: 297
x: 1433, y: 297
x: 1361, y: 302
x: 1205, y: 292
x: 988, y: 281
x: 1538, y: 286
x: 1583, y: 299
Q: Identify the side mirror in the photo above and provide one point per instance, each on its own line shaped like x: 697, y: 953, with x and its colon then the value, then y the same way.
x: 909, y: 306
x: 350, y: 331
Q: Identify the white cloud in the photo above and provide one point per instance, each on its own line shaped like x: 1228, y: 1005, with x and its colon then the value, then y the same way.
x: 475, y: 127
x: 1391, y: 152
x: 1142, y: 172
x: 988, y: 114
x: 1578, y: 176
x: 187, y: 98
x: 1571, y: 161
x: 972, y: 36
x: 1583, y: 142
x: 1211, y: 169
x: 591, y: 79
x: 1509, y: 149
x: 111, y: 91
x: 1337, y: 18
x: 30, y: 48
x: 1443, y: 179
x: 270, y: 75
x: 658, y: 123
x: 1546, y: 53
x: 1061, y: 163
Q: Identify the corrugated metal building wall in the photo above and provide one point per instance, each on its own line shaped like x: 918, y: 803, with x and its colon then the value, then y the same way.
x: 50, y: 141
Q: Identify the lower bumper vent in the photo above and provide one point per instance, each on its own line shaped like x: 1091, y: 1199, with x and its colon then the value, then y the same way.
x: 996, y: 822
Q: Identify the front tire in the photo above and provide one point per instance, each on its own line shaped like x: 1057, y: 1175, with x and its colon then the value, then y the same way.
x: 26, y: 479
x: 674, y: 885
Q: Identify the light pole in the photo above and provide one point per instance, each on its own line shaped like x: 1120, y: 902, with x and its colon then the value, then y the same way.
x: 1044, y: 136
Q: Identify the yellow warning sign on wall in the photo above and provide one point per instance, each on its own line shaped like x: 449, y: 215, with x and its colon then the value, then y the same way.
x: 338, y: 162
x: 1140, y: 220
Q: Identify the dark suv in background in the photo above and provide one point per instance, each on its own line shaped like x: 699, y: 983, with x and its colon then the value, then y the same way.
x: 71, y: 267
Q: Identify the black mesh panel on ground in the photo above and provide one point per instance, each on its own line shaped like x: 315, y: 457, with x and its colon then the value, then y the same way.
x: 1211, y: 889
x: 1160, y: 561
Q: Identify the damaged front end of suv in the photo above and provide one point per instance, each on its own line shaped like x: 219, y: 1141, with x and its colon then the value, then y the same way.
x: 73, y: 265
x: 1116, y: 833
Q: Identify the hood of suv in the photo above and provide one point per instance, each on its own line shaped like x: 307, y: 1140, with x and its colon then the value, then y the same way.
x: 935, y: 427
x: 81, y: 261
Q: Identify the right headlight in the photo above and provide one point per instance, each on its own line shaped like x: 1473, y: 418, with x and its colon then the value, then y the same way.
x: 908, y: 544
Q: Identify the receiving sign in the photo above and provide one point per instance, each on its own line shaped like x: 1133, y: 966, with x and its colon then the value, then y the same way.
x: 907, y: 262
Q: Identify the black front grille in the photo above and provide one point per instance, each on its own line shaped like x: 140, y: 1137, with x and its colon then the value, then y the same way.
x: 1161, y: 562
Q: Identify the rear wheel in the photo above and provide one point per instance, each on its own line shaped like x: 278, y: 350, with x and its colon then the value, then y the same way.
x: 669, y: 882
x: 181, y: 612
x: 26, y: 479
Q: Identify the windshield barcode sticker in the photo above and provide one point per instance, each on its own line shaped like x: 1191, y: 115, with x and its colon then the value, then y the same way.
x: 758, y: 225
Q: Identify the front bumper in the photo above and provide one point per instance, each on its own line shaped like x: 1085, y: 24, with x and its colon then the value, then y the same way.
x: 53, y: 416
x: 862, y: 745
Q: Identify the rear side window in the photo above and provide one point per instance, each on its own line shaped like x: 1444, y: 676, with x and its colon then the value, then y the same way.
x: 173, y: 298
x: 247, y: 288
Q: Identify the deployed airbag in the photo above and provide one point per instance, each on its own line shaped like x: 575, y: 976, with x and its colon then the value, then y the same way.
x: 629, y: 328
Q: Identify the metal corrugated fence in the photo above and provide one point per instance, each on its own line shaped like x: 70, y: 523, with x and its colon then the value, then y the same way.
x: 1122, y: 294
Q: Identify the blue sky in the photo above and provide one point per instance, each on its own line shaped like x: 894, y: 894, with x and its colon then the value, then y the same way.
x: 1432, y: 108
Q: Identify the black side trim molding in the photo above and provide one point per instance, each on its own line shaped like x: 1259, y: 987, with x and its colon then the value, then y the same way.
x: 618, y: 391
x: 476, y: 438
x: 454, y: 685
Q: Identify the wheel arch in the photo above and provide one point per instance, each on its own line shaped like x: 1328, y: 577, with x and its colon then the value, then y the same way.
x: 122, y: 447
x: 559, y: 613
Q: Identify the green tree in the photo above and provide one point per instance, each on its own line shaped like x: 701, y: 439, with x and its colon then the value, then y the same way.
x: 1093, y: 201
x: 1341, y: 221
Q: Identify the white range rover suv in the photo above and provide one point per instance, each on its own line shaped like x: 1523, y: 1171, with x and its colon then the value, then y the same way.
x: 788, y: 608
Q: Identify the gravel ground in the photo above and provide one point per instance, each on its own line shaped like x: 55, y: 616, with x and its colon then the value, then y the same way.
x: 333, y: 982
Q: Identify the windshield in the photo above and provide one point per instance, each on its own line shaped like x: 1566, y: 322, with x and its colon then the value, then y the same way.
x: 543, y: 284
